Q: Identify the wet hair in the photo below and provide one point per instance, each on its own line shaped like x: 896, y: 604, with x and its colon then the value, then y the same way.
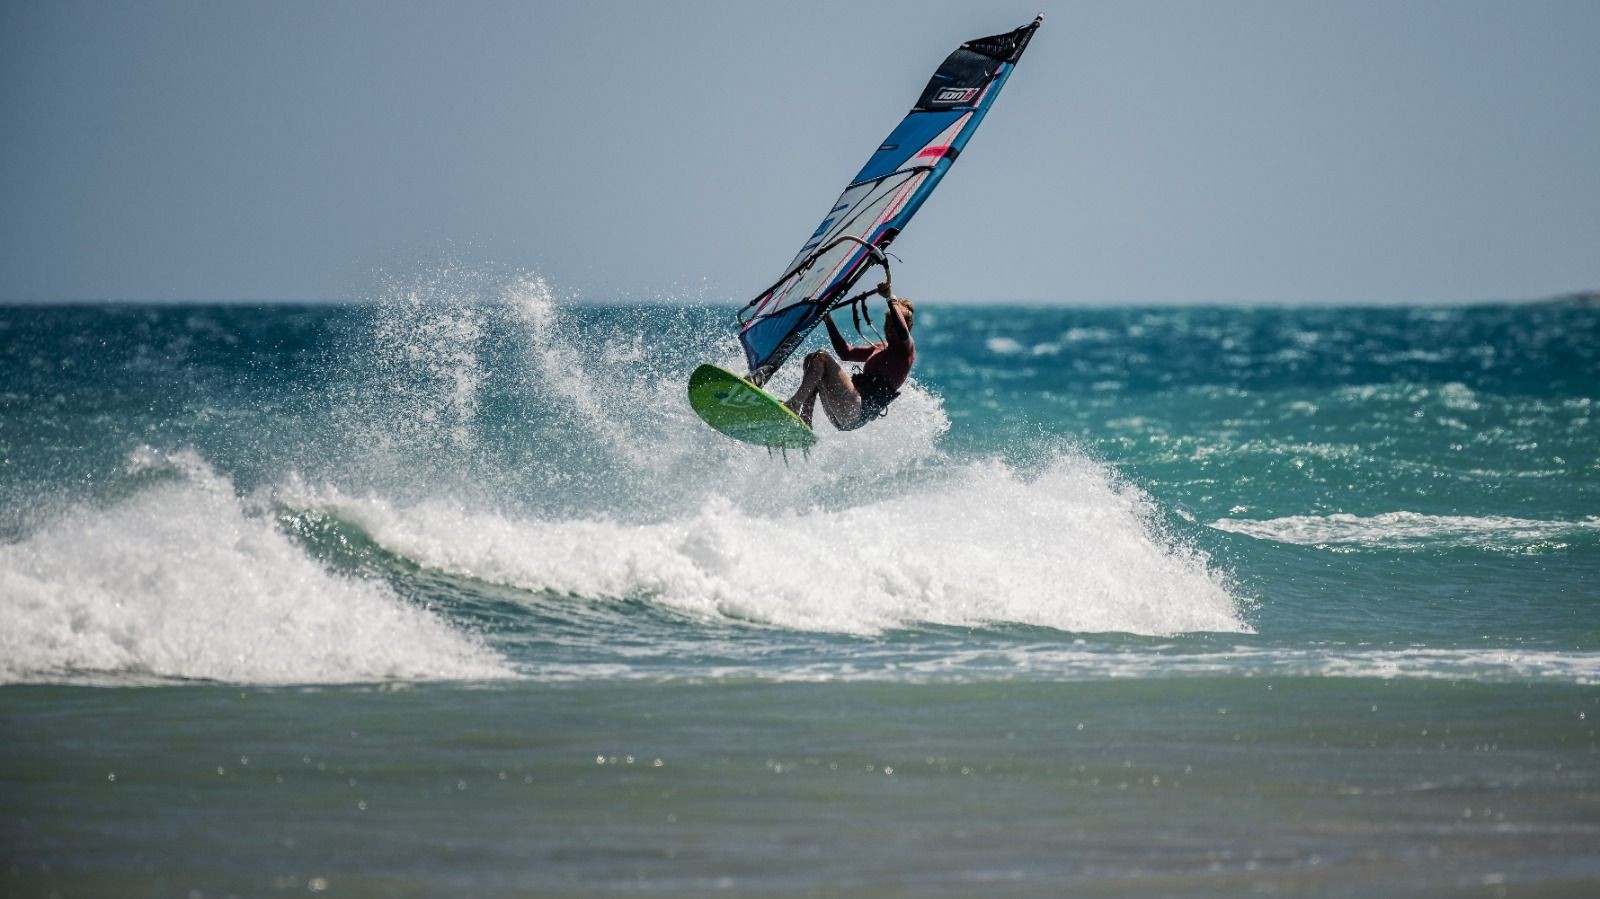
x: 909, y: 311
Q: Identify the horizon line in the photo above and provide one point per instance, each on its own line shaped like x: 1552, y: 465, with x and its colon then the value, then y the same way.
x: 1575, y: 296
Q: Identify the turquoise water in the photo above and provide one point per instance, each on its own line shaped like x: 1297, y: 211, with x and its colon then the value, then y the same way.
x: 452, y: 593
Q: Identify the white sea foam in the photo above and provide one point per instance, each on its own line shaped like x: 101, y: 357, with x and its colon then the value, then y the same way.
x: 1478, y: 664
x: 1412, y: 531
x: 957, y: 662
x: 181, y: 580
x: 1069, y: 548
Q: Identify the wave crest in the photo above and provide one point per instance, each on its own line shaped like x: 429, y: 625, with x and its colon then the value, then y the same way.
x: 1069, y: 548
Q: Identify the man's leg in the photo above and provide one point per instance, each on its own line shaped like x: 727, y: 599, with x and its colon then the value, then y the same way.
x: 839, y: 397
x: 804, y: 401
x: 823, y: 375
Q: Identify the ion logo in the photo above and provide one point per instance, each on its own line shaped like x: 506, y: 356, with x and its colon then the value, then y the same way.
x: 955, y: 94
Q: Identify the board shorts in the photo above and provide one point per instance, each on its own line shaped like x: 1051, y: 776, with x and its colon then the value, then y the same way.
x: 876, y: 395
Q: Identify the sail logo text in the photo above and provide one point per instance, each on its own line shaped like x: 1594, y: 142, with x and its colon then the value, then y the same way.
x: 955, y: 94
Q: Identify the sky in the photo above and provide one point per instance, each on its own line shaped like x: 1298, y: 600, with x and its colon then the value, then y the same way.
x: 1249, y: 151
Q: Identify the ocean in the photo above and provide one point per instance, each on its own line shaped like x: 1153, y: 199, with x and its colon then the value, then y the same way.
x: 449, y: 593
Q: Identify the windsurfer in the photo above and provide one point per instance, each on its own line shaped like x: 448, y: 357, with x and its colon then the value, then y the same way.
x: 852, y: 400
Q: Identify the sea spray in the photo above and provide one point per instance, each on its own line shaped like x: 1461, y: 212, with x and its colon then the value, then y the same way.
x: 412, y: 388
x: 490, y: 389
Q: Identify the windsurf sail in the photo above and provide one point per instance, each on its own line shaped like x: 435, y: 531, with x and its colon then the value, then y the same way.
x: 880, y: 200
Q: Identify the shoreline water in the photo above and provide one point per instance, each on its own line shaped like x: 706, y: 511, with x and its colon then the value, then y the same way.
x: 1204, y: 786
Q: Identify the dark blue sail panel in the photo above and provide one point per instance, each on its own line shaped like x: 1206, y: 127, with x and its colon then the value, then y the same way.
x: 881, y: 199
x: 914, y: 132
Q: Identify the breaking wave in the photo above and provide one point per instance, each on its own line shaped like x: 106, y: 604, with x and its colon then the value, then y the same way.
x: 181, y: 581
x: 1068, y: 549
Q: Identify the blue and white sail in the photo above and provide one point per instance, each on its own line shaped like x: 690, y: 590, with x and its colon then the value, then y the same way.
x: 881, y: 199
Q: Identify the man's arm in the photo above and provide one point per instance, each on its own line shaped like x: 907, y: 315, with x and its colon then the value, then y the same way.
x: 894, y: 325
x: 894, y: 322
x: 841, y: 348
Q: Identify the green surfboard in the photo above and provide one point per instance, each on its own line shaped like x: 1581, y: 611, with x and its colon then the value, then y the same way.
x: 744, y: 411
